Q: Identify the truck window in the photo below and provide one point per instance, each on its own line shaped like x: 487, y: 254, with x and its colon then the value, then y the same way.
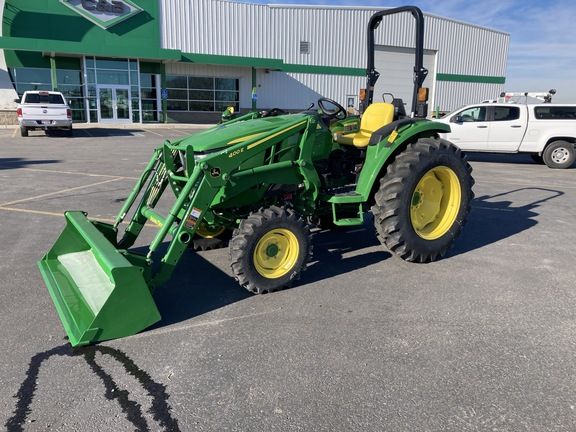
x: 43, y: 98
x: 506, y: 113
x: 476, y: 114
x: 555, y: 113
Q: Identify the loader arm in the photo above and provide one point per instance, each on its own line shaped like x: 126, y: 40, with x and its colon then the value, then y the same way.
x: 196, y: 188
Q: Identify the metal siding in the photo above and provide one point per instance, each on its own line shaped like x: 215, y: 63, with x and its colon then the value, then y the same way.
x: 453, y: 95
x: 216, y: 27
x: 398, y: 64
x: 274, y: 31
x: 300, y: 90
x: 241, y: 29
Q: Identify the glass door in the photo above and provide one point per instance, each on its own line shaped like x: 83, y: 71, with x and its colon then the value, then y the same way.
x: 122, y: 97
x: 114, y: 104
x: 106, y: 101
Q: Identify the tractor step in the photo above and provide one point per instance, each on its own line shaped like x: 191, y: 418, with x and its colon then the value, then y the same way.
x: 343, y: 190
x: 347, y: 214
x: 345, y: 198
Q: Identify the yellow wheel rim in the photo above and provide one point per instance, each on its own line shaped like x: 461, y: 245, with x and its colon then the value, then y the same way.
x: 208, y: 232
x: 435, y: 203
x: 276, y: 253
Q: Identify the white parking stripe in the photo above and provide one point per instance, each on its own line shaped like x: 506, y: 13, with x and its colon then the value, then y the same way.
x: 58, y: 192
x: 205, y: 323
x: 154, y: 133
x: 71, y: 172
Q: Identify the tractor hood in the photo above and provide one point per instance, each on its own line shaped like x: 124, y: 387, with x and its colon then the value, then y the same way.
x: 233, y: 133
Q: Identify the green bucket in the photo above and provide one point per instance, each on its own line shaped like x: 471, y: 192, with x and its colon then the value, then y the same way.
x: 98, y: 294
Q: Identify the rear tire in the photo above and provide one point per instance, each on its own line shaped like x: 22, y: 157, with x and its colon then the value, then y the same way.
x: 69, y: 132
x: 23, y: 131
x: 559, y: 155
x: 423, y: 200
x: 269, y: 249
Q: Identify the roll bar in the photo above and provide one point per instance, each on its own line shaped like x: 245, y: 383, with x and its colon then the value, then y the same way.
x: 420, y: 72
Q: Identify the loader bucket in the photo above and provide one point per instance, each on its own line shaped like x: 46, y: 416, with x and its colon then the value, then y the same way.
x: 98, y: 294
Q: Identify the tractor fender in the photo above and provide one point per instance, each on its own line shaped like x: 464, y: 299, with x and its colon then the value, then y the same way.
x: 379, y: 155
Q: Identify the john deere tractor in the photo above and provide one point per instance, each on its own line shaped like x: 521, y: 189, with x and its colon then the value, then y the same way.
x: 263, y: 179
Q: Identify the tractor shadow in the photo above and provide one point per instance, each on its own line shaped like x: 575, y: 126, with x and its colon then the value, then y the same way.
x: 198, y: 286
x: 491, y: 221
x: 331, y: 247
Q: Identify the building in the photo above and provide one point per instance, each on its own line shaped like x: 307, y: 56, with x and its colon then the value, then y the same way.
x: 186, y: 60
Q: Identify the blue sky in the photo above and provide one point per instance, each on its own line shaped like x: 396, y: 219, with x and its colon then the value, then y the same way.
x: 542, y: 51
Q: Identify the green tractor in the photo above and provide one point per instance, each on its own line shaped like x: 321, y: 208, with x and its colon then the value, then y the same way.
x: 263, y: 179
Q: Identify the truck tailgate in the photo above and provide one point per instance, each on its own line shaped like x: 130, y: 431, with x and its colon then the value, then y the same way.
x: 44, y: 112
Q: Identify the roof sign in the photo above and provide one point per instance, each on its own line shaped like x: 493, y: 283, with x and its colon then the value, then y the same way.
x: 104, y: 13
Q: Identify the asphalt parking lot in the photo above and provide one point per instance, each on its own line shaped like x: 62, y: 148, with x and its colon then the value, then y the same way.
x: 484, y: 340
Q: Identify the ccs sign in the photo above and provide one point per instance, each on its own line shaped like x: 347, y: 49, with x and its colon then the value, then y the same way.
x: 104, y: 13
x: 114, y: 7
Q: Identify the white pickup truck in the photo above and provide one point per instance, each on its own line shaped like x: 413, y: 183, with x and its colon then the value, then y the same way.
x: 44, y: 110
x: 546, y: 131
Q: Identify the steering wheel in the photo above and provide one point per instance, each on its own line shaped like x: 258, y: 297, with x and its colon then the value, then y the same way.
x: 338, y: 112
x: 273, y: 112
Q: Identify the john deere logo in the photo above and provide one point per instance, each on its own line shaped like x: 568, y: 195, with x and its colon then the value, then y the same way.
x: 104, y: 13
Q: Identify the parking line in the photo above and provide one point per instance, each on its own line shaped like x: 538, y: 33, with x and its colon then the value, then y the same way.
x: 40, y: 212
x: 45, y: 213
x: 205, y: 323
x: 70, y: 172
x: 14, y: 133
x: 59, y: 192
x: 147, y: 130
x: 87, y: 133
x: 182, y: 132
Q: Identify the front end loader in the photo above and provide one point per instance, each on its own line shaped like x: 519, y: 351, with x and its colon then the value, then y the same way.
x: 261, y: 180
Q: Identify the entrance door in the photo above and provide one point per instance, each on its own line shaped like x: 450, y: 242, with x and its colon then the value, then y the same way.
x: 114, y: 104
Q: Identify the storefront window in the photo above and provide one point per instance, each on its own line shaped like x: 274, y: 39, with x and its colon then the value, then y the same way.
x: 70, y: 84
x: 111, y: 64
x: 112, y: 77
x: 26, y: 79
x: 149, y: 94
x: 192, y: 93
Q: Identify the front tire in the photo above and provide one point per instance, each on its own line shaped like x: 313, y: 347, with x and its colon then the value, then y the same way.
x: 559, y: 155
x: 269, y: 249
x: 423, y: 200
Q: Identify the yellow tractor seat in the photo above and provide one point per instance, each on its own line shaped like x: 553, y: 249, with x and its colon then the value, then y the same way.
x: 375, y: 117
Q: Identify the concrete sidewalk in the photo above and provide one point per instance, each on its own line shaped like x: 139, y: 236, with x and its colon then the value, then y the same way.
x: 131, y: 126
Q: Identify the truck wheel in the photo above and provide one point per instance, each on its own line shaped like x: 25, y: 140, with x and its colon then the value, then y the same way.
x: 23, y: 131
x: 269, y: 249
x: 423, y: 200
x: 559, y: 154
x: 69, y: 132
